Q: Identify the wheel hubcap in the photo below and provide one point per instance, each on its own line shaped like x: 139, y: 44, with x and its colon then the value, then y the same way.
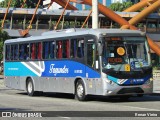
x: 29, y: 87
x: 80, y: 90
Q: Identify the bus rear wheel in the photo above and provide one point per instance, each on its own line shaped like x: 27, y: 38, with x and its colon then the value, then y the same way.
x: 30, y: 88
x: 80, y: 91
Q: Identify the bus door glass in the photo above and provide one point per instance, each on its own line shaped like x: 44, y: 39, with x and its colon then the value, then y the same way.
x: 91, y: 53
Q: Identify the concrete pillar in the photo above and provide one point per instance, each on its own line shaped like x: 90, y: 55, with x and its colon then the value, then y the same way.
x: 62, y: 22
x: 104, y: 2
x: 24, y: 23
x: 94, y: 14
x: 75, y: 22
x: 37, y: 24
x: 11, y: 23
x: 50, y: 23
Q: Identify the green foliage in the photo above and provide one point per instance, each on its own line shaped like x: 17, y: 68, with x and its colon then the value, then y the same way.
x: 3, y: 37
x: 120, y: 6
x: 18, y: 3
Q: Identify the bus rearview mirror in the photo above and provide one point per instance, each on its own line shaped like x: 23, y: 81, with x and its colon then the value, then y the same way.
x: 99, y: 49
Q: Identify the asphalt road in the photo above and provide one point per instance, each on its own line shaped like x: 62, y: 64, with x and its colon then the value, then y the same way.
x: 14, y: 100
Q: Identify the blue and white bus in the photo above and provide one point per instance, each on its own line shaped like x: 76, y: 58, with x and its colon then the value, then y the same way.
x: 107, y: 62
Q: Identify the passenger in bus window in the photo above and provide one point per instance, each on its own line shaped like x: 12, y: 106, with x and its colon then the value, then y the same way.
x: 16, y: 52
x: 21, y: 52
x: 26, y: 55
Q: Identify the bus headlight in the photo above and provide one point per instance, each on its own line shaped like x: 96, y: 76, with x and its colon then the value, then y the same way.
x: 110, y: 82
x: 151, y: 79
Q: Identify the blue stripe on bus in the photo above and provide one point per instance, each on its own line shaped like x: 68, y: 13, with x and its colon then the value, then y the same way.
x: 17, y: 69
x: 51, y: 69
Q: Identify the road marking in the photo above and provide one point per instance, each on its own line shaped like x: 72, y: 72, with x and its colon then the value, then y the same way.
x: 143, y: 108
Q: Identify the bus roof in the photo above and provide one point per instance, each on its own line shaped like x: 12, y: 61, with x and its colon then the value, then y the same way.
x: 78, y: 32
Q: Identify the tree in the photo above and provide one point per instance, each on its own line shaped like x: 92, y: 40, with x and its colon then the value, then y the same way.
x: 120, y: 6
x: 3, y: 36
x: 18, y: 3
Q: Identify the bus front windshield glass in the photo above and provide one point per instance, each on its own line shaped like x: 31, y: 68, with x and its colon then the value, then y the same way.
x: 125, y: 54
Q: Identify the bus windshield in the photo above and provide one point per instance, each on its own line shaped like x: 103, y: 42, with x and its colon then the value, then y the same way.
x: 125, y: 54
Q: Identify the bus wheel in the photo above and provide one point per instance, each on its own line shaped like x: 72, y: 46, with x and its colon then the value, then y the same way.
x: 30, y: 88
x: 80, y: 91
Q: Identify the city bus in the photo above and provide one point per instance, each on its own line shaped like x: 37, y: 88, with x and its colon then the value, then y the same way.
x: 83, y: 62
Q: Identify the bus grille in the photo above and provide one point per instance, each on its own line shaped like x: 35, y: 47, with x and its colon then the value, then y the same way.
x: 130, y: 90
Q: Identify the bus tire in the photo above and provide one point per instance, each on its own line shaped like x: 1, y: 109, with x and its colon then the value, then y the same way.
x: 80, y: 91
x: 30, y: 88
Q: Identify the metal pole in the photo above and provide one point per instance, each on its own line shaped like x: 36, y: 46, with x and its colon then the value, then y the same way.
x: 87, y: 18
x: 9, y: 3
x: 94, y: 14
x: 62, y: 14
x: 25, y: 32
x: 29, y: 27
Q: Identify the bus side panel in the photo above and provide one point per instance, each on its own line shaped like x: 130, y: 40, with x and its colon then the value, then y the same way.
x: 16, y: 74
x: 57, y: 84
x: 66, y: 85
x: 36, y: 83
x: 91, y: 77
x: 99, y: 86
x: 12, y: 82
x: 48, y: 84
x: 23, y: 83
x: 59, y: 75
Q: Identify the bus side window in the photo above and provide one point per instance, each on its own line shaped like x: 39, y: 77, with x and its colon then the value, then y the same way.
x: 68, y: 49
x: 8, y: 52
x: 27, y: 47
x: 59, y: 49
x: 26, y: 52
x: 12, y: 52
x: 33, y: 49
x: 39, y: 51
x: 77, y: 48
x: 16, y: 52
x: 80, y: 49
x: 21, y: 52
x: 73, y: 48
x: 65, y: 49
x: 51, y: 52
x: 45, y: 50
